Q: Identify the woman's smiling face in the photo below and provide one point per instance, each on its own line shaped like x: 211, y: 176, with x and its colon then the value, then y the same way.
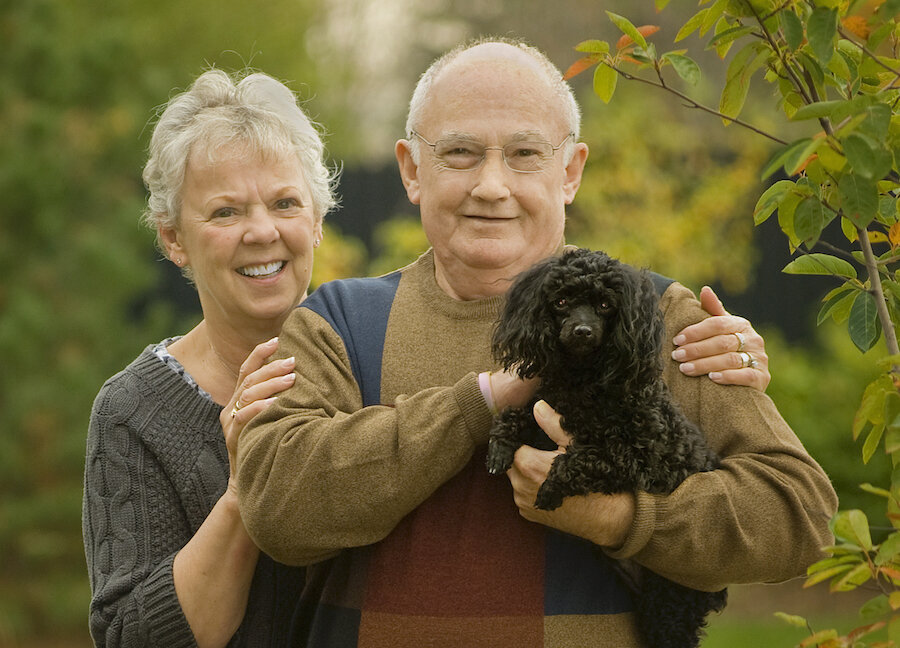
x: 247, y: 229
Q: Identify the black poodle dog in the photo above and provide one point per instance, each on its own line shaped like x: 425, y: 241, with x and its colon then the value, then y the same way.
x: 590, y: 328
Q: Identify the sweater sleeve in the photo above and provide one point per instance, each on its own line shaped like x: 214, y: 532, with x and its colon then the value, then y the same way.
x: 319, y: 472
x: 129, y: 542
x: 762, y: 516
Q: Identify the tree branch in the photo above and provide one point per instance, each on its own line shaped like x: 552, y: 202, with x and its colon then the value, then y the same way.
x: 693, y: 104
x: 887, y: 326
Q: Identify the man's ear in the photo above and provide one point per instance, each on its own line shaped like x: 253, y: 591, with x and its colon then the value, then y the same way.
x: 409, y: 171
x: 573, y: 172
x: 171, y: 241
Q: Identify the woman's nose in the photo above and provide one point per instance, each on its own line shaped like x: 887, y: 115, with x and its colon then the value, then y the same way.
x: 261, y: 226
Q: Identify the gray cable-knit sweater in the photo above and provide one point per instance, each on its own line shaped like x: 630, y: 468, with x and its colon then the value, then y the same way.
x: 156, y: 464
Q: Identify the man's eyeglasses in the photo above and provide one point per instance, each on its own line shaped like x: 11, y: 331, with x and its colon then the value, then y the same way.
x: 520, y: 156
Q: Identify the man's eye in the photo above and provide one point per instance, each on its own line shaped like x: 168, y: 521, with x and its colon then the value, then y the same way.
x: 459, y: 151
x: 286, y: 203
x: 525, y: 153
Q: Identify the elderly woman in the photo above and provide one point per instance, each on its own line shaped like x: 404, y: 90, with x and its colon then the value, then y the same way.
x: 238, y: 190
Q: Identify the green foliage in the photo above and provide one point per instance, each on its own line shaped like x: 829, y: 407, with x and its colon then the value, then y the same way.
x: 663, y: 186
x: 835, y: 65
x: 398, y: 242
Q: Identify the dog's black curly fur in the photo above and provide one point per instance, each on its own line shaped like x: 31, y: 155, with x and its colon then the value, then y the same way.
x: 590, y: 328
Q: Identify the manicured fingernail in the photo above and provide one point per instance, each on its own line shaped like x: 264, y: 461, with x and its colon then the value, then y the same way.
x: 274, y: 340
x: 679, y: 354
x: 288, y: 362
x: 542, y: 409
x: 715, y: 376
x: 679, y: 340
x: 686, y: 367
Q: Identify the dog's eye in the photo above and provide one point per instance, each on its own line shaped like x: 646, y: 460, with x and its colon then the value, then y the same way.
x: 604, y: 307
x: 560, y: 303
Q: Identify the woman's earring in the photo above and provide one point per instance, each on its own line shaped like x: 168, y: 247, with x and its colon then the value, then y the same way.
x: 317, y: 243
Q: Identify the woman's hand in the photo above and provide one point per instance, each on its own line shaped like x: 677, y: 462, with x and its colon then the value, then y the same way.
x: 258, y: 383
x: 724, y: 346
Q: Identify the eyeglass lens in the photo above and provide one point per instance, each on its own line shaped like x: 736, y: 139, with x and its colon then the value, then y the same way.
x: 519, y: 156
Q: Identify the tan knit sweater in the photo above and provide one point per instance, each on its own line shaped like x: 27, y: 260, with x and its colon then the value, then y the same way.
x: 324, y: 471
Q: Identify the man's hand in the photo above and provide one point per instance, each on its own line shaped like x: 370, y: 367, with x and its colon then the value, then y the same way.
x: 605, y: 520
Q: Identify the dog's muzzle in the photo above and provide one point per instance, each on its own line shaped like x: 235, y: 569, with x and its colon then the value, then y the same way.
x: 582, y: 330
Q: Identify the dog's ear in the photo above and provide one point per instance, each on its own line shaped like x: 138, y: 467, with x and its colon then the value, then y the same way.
x: 639, y: 333
x: 524, y: 335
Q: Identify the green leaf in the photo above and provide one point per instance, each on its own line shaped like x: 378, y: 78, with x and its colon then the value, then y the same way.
x: 797, y: 158
x: 787, y: 156
x: 737, y: 84
x: 770, y: 199
x: 820, y: 264
x: 627, y: 28
x: 817, y: 110
x: 871, y: 408
x: 825, y: 574
x: 809, y: 220
x: 875, y: 490
x: 877, y: 122
x: 852, y: 579
x: 859, y: 199
x: 867, y: 159
x: 792, y: 28
x: 863, y: 325
x: 892, y: 422
x: 728, y: 35
x: 821, y: 29
x: 875, y: 608
x: 889, y: 9
x: 852, y: 526
x: 889, y: 549
x: 605, y: 79
x: 684, y: 66
x: 712, y: 16
x: 792, y: 619
x: 593, y: 46
x: 871, y: 443
x: 837, y: 307
x: 691, y: 25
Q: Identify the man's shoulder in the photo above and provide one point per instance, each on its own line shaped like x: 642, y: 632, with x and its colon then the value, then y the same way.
x: 356, y: 295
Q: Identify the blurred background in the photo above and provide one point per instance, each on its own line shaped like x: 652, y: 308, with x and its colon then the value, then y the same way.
x: 83, y: 291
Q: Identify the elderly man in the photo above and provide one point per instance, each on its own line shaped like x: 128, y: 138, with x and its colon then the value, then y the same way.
x: 371, y: 468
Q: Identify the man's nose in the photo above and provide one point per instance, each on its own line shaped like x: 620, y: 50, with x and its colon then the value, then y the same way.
x: 492, y: 181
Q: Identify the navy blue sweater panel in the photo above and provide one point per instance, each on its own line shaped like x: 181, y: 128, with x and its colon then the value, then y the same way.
x: 358, y: 311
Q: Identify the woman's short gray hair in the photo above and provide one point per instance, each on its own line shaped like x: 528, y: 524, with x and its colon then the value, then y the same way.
x: 571, y: 112
x: 253, y: 110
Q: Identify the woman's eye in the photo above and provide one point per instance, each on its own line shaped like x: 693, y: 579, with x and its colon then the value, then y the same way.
x: 224, y: 212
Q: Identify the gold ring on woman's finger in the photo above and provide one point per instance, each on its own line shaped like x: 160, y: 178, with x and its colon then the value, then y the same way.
x: 234, y: 411
x: 740, y: 339
x: 746, y: 359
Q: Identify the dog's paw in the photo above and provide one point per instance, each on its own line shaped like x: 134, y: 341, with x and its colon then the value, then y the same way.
x: 548, y: 498
x: 500, y: 456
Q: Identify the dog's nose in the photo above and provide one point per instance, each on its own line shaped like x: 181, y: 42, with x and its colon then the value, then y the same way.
x: 583, y: 331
